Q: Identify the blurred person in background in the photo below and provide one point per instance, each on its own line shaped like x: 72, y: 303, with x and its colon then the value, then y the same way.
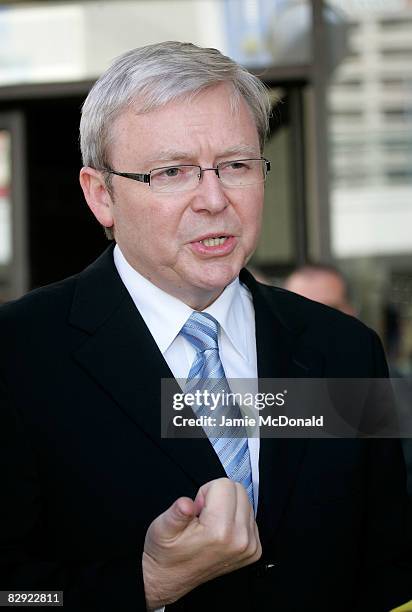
x: 323, y: 283
x: 326, y: 284
x: 94, y: 501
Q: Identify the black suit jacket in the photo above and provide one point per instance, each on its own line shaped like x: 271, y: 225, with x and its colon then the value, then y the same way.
x: 84, y: 470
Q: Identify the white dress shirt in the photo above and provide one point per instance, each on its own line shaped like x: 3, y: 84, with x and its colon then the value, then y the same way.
x: 165, y: 316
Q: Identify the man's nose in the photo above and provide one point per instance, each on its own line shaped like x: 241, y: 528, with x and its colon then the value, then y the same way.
x: 210, y: 194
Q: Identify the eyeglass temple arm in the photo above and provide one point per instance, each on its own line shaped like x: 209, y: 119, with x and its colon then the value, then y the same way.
x: 143, y: 178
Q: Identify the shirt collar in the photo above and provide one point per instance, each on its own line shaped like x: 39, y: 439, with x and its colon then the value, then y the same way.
x: 228, y: 311
x: 165, y: 315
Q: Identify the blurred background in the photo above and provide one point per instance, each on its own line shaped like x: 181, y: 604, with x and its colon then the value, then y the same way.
x: 340, y: 190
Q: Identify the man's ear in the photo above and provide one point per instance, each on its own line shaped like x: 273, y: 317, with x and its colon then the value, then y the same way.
x: 97, y: 197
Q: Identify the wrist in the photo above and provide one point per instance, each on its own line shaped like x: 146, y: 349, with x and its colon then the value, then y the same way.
x: 151, y: 581
x: 159, y: 586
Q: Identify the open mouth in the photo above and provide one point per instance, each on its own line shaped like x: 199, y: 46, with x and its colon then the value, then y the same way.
x: 214, y: 241
x: 214, y: 246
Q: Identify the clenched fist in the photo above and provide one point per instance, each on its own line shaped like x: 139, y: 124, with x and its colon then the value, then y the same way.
x: 195, y: 541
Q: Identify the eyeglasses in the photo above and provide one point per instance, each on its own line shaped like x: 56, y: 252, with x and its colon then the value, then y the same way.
x: 184, y: 177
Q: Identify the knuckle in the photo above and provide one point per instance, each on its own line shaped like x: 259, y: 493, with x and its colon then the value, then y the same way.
x: 224, y: 482
x: 253, y: 551
x: 241, y: 490
x: 257, y: 552
x: 242, y: 542
x: 222, y: 535
x: 235, y: 542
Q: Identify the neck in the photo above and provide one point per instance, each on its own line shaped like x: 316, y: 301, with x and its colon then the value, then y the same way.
x: 196, y: 299
x: 201, y: 305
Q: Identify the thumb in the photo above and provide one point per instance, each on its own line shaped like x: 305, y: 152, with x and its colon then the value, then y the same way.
x: 178, y: 516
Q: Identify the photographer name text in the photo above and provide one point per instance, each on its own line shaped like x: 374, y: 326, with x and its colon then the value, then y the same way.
x: 246, y: 421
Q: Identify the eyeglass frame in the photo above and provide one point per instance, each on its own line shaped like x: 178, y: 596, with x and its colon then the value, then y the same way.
x: 145, y: 178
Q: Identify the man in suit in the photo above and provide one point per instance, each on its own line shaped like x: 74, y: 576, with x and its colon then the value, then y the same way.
x: 95, y: 502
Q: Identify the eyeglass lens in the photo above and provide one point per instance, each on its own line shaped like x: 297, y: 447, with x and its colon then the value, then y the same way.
x: 237, y: 173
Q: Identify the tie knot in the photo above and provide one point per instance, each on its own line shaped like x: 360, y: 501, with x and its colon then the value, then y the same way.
x: 201, y: 330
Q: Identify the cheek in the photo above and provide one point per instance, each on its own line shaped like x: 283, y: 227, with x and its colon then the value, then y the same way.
x: 252, y: 217
x: 159, y: 233
x: 146, y: 220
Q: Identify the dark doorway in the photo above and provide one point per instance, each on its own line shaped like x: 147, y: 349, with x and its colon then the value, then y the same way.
x: 63, y: 236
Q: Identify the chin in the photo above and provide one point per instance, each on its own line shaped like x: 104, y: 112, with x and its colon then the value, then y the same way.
x: 218, y: 277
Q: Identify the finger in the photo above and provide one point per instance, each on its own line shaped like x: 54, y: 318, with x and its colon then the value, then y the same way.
x: 256, y: 549
x: 245, y: 528
x: 176, y: 518
x: 244, y: 510
x: 212, y: 483
x: 220, y: 500
x: 199, y: 502
x: 259, y: 544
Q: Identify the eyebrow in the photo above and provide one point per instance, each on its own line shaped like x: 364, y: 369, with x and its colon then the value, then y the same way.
x: 172, y: 155
x: 241, y: 149
x: 168, y: 155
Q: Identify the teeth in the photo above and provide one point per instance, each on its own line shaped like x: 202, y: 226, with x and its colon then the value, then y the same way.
x: 210, y: 242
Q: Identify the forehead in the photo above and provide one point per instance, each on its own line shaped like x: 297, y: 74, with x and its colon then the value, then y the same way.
x: 202, y: 124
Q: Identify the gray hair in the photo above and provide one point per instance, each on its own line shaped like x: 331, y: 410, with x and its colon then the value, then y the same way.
x: 149, y: 77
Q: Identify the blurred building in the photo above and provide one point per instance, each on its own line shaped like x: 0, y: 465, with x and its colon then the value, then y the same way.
x: 370, y: 134
x: 371, y: 103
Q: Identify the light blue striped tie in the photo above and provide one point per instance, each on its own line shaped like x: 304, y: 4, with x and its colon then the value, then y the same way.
x: 207, y: 374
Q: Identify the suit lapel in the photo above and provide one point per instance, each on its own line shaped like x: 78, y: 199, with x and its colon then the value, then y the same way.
x: 122, y: 357
x: 279, y: 355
